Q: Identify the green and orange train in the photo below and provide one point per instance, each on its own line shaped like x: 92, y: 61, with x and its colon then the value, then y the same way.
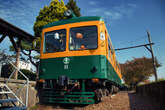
x: 77, y: 62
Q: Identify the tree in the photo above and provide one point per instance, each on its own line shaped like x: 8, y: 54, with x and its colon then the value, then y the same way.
x: 29, y: 74
x: 6, y: 67
x: 3, y: 56
x: 16, y: 47
x: 73, y: 6
x: 53, y: 12
x: 137, y: 70
x: 32, y: 53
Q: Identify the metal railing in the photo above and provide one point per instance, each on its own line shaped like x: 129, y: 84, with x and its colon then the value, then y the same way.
x: 26, y: 83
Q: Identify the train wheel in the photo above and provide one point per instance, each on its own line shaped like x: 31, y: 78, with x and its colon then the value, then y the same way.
x: 98, y: 95
x: 105, y: 92
x: 111, y: 90
x: 114, y: 89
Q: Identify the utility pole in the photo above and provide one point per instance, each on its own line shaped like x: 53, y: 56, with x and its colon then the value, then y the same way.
x: 149, y: 49
x: 152, y: 54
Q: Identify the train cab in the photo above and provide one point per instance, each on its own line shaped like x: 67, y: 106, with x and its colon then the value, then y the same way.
x: 77, y: 56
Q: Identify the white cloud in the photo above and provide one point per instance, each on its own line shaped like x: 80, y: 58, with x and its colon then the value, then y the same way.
x: 96, y: 10
x: 114, y: 13
x: 92, y: 3
x: 108, y: 13
x: 126, y: 10
x: 132, y: 5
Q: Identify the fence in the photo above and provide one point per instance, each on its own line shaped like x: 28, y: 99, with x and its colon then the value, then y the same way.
x: 154, y: 90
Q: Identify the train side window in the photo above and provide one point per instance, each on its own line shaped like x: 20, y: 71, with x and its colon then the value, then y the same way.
x: 110, y: 48
x: 109, y: 44
x: 109, y: 51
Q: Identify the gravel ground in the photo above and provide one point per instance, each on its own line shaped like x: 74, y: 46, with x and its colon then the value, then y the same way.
x: 120, y: 101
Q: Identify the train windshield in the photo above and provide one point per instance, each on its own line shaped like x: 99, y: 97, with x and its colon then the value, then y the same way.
x: 83, y: 38
x: 55, y: 41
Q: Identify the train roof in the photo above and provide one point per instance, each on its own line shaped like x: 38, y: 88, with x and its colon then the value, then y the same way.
x: 74, y: 20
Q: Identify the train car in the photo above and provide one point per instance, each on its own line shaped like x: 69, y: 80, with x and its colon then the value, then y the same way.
x: 77, y: 62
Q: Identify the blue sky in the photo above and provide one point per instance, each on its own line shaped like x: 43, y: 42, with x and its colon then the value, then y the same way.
x: 127, y: 22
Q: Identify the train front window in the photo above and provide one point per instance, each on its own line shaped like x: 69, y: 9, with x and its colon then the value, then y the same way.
x: 55, y: 41
x: 83, y: 38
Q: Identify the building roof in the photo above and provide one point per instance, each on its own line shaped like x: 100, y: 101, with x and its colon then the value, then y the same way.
x: 13, y: 31
x: 74, y: 20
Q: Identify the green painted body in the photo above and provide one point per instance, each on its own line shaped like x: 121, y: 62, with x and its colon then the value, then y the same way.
x: 74, y: 20
x: 79, y: 67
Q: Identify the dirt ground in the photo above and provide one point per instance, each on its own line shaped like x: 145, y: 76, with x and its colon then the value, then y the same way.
x: 122, y: 101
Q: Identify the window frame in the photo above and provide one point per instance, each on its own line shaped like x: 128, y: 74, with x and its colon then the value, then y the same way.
x: 44, y: 51
x: 110, y: 45
x: 87, y: 48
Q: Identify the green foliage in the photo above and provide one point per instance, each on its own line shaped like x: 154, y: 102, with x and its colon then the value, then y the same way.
x: 29, y: 74
x: 53, y: 12
x: 73, y: 6
x: 7, y: 69
x: 161, y: 79
x: 35, y: 107
x: 137, y: 70
x: 27, y: 49
x: 4, y: 56
x: 24, y: 44
x: 36, y: 44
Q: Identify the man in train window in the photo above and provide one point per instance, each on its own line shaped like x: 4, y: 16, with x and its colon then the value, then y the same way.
x: 80, y: 45
x: 76, y: 41
x: 83, y: 38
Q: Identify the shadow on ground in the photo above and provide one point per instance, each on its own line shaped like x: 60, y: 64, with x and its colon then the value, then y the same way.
x: 138, y: 102
x: 58, y: 106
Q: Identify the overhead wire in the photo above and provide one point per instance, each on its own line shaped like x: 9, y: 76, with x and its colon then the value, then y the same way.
x: 132, y: 41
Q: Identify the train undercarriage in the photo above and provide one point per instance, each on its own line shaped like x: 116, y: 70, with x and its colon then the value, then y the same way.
x: 78, y: 91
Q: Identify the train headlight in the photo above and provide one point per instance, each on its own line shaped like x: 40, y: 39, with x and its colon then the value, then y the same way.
x: 95, y: 80
x: 41, y: 81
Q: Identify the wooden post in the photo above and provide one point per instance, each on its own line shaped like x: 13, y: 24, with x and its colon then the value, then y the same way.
x: 17, y: 47
x: 17, y: 62
x: 152, y: 54
x: 17, y: 57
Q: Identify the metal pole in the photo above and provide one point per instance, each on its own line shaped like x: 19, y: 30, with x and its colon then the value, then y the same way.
x: 153, y: 58
x: 27, y: 92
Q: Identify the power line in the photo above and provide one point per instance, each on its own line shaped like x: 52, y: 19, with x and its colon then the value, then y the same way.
x: 149, y: 49
x: 144, y: 45
x: 136, y: 40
